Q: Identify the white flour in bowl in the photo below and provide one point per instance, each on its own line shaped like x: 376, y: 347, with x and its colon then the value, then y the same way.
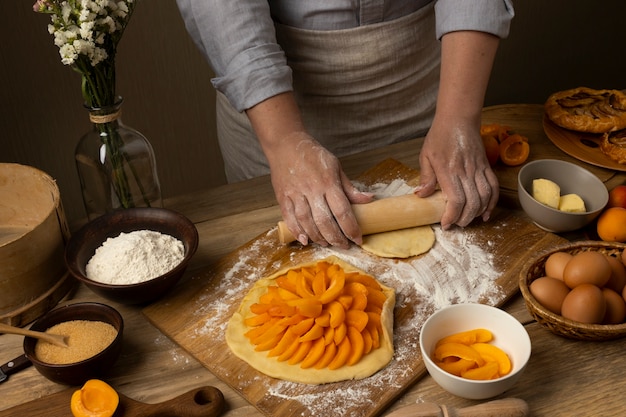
x: 135, y: 257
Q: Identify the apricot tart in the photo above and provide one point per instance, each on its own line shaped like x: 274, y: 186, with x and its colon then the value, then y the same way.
x: 315, y: 323
x: 587, y: 110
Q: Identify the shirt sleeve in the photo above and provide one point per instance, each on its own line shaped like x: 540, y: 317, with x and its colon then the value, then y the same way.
x: 491, y: 16
x: 239, y: 41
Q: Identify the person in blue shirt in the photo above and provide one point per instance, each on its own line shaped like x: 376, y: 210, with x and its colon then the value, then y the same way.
x: 300, y: 83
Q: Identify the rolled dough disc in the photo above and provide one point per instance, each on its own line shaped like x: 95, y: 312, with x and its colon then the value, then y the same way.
x: 402, y: 243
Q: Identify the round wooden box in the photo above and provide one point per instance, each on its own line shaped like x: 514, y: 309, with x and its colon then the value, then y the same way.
x: 535, y: 268
x: 33, y: 233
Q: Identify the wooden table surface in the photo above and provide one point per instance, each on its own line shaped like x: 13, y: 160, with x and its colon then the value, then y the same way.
x: 563, y: 378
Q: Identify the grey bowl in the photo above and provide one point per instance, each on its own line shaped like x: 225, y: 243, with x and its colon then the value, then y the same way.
x: 572, y: 179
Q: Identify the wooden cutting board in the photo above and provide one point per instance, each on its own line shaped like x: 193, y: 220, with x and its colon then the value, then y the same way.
x: 480, y: 263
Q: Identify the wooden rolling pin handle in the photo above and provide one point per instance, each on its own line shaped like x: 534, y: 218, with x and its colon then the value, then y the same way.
x: 387, y: 214
x: 507, y: 407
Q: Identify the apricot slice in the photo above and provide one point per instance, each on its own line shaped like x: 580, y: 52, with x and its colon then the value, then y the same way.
x: 488, y: 371
x: 458, y: 350
x: 314, y: 355
x: 357, y: 345
x: 468, y: 337
x: 337, y: 282
x: 308, y: 307
x: 300, y: 353
x: 270, y: 342
x: 456, y: 367
x: 491, y: 353
x: 343, y: 352
x: 329, y: 353
x: 357, y: 319
x: 340, y: 333
x: 289, y: 337
x: 337, y: 314
x: 314, y: 333
x: 368, y: 281
x: 290, y: 351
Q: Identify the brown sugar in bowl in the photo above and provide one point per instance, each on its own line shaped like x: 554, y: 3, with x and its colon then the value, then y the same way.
x: 77, y: 373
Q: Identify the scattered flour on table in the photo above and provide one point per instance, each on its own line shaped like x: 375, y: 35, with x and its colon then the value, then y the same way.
x: 135, y: 257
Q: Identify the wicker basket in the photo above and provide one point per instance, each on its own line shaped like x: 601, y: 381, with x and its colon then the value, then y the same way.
x: 535, y: 268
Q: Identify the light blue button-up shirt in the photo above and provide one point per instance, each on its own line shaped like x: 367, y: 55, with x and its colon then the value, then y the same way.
x: 238, y: 39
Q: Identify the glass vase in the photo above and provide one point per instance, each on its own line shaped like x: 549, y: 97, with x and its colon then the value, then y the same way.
x: 116, y: 165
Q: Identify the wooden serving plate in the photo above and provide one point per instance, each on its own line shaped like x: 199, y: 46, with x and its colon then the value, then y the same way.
x: 480, y: 263
x: 580, y: 145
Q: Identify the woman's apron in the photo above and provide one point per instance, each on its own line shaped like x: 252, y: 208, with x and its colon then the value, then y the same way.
x: 358, y: 89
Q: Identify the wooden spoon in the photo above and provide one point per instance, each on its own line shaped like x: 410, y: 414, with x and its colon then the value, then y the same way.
x: 55, y: 339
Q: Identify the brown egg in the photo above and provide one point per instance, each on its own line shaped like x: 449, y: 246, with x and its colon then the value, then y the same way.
x: 555, y: 264
x: 615, y: 307
x: 584, y: 304
x: 617, y: 281
x: 550, y: 292
x: 589, y: 267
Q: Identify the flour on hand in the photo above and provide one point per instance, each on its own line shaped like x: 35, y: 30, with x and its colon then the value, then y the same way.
x: 135, y: 257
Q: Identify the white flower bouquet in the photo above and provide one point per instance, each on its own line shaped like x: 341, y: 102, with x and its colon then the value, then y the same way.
x: 87, y: 33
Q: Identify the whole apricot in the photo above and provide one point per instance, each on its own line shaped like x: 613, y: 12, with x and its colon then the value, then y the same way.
x: 617, y: 197
x: 611, y: 225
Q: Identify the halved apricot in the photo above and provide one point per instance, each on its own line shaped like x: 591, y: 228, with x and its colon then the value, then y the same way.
x: 514, y: 150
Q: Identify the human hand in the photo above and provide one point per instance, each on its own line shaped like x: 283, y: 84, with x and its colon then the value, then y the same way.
x: 313, y: 192
x: 453, y: 156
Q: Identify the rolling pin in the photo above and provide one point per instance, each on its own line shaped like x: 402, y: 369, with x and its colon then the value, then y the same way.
x: 507, y: 407
x: 387, y: 214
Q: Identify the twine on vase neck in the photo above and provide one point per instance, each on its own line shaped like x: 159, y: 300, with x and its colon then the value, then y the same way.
x: 105, y: 118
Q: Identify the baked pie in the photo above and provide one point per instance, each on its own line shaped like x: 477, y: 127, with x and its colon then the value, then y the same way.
x: 587, y: 110
x: 613, y: 145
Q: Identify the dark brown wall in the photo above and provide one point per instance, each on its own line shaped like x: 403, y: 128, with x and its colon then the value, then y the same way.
x: 553, y: 45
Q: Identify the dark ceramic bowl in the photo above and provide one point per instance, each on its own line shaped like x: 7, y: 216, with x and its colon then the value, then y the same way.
x: 84, y: 242
x: 78, y: 372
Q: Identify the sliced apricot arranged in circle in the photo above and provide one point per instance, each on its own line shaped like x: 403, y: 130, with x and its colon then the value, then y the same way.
x: 318, y: 316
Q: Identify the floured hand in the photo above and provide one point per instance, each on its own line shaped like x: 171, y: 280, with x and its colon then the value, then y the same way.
x: 454, y: 158
x: 313, y: 192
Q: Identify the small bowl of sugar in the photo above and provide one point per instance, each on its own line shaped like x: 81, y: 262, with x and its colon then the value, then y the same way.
x: 93, y: 333
x: 132, y: 256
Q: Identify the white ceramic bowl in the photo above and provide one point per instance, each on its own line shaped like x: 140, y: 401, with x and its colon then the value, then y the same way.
x: 572, y: 179
x: 509, y: 335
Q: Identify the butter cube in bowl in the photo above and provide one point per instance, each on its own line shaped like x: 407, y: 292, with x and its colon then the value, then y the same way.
x: 560, y: 196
